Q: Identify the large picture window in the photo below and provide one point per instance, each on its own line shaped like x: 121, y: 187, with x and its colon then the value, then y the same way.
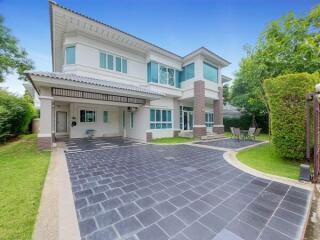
x: 158, y: 73
x: 87, y: 116
x: 108, y: 61
x: 160, y: 119
x: 210, y: 72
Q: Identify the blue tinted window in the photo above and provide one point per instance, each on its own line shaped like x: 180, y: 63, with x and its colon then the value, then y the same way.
x: 152, y: 72
x: 124, y: 65
x: 71, y: 55
x: 103, y: 60
x: 110, y: 62
x: 118, y: 64
x: 188, y: 71
x: 210, y: 72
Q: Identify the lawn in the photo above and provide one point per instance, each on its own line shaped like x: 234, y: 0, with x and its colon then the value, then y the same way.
x: 260, y: 137
x: 22, y: 172
x: 172, y: 140
x: 265, y: 159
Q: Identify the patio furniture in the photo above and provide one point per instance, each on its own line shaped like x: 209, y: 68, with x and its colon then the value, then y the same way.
x: 251, y: 132
x: 244, y: 134
x: 237, y: 133
x: 232, y: 132
x: 90, y: 133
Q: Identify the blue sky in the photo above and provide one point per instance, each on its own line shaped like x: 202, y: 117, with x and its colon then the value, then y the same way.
x: 181, y: 26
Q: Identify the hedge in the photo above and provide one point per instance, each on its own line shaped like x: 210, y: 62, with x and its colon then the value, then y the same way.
x: 286, y: 99
x: 16, y: 113
x: 244, y: 122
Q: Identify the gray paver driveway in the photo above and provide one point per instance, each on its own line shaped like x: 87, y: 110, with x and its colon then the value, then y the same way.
x: 151, y: 192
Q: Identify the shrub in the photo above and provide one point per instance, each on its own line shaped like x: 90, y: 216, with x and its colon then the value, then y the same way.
x: 16, y: 113
x: 286, y: 99
x: 244, y: 122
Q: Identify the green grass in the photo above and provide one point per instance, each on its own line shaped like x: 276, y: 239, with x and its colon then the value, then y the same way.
x: 172, y: 140
x: 22, y: 172
x: 265, y: 159
x: 260, y: 137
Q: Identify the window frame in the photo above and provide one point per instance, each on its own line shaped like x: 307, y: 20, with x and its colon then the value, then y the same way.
x: 85, y: 115
x: 160, y: 121
x: 213, y: 66
x: 112, y: 65
x: 208, y: 121
x: 65, y: 54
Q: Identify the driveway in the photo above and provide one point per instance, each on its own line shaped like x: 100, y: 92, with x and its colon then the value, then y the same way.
x: 151, y: 192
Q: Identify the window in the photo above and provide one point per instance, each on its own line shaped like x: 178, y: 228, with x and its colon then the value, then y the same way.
x: 124, y: 65
x: 103, y: 60
x: 110, y: 62
x: 209, y: 119
x: 161, y: 74
x: 188, y: 71
x: 210, y: 72
x: 153, y: 72
x: 71, y: 55
x: 105, y: 116
x: 160, y: 119
x: 118, y: 64
x: 87, y: 116
x: 131, y: 119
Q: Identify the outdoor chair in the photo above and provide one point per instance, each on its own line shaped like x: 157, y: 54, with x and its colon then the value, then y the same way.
x: 251, y: 132
x: 237, y: 133
x: 232, y: 132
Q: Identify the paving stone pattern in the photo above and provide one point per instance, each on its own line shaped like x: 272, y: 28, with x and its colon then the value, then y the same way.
x: 229, y: 143
x: 151, y: 192
x: 84, y: 144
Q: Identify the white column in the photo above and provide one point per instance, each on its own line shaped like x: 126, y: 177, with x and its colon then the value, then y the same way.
x: 45, y: 129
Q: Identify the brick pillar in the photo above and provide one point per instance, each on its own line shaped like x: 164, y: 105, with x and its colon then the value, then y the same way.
x: 148, y: 136
x: 218, y: 114
x: 199, y: 127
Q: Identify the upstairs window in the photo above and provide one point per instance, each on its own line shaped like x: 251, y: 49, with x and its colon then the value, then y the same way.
x: 158, y: 73
x: 210, y: 72
x: 118, y: 64
x: 71, y: 55
x: 188, y: 71
x: 103, y: 60
x: 110, y: 62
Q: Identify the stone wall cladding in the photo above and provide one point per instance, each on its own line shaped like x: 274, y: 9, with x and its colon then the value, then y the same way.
x: 176, y: 133
x: 149, y: 136
x: 218, y: 130
x: 44, y: 143
x: 199, y: 128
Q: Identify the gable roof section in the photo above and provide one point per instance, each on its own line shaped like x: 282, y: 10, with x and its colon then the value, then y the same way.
x: 149, y: 45
x: 93, y: 81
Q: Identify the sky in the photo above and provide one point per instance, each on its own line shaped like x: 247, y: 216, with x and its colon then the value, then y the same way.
x: 181, y: 26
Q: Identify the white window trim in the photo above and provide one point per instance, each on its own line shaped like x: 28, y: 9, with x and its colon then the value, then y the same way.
x: 161, y: 122
x: 65, y: 54
x: 206, y: 119
x: 114, y: 62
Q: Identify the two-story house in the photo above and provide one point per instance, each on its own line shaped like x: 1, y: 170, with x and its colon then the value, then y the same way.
x: 117, y: 84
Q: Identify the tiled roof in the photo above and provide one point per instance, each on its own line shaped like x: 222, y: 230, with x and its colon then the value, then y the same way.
x: 93, y: 81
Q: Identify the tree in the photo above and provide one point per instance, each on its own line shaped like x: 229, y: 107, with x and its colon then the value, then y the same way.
x: 288, y: 45
x: 226, y: 94
x: 12, y: 57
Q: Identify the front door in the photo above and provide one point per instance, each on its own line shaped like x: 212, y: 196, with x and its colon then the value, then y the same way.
x: 61, y: 122
x: 187, y: 120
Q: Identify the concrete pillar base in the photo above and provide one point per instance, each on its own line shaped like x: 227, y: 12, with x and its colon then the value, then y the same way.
x: 176, y: 133
x: 149, y: 136
x: 198, y: 132
x: 44, y: 143
x: 218, y: 129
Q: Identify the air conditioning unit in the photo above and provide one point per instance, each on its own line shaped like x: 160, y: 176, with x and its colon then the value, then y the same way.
x: 132, y: 109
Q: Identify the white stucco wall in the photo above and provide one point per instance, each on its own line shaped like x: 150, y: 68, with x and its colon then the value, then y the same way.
x: 112, y: 128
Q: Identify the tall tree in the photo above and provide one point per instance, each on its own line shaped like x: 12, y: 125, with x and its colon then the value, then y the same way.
x: 12, y: 57
x: 226, y: 94
x: 288, y: 45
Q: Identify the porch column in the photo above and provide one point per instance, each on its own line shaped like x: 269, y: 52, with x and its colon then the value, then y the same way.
x: 176, y: 118
x: 199, y: 127
x: 218, y: 113
x: 45, y: 129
